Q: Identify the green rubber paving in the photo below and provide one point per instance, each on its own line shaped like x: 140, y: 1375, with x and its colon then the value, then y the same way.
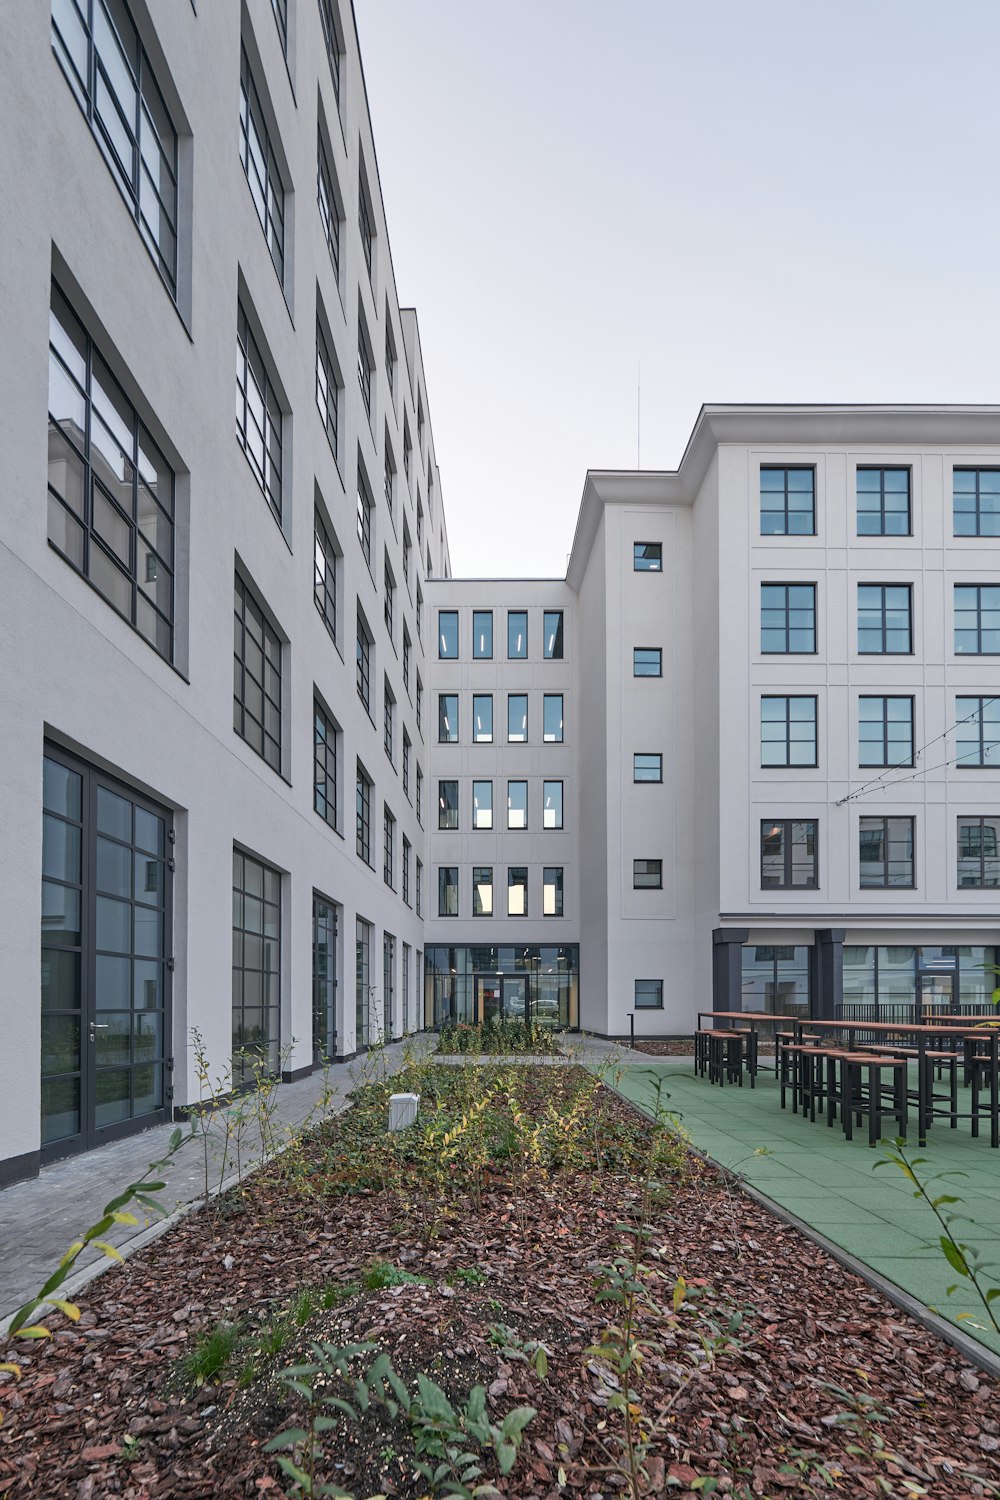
x: 832, y: 1184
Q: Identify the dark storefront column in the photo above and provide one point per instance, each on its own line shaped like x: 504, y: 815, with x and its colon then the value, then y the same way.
x: 727, y: 967
x: 828, y: 973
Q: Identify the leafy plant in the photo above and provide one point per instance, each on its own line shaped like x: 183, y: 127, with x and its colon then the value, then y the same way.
x: 531, y: 1352
x: 381, y: 1274
x: 210, y: 1355
x: 467, y: 1276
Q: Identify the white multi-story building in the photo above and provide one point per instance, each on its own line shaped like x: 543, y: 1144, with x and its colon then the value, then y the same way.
x: 268, y: 772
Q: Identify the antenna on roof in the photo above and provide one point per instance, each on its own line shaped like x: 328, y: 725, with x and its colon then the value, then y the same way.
x: 638, y: 414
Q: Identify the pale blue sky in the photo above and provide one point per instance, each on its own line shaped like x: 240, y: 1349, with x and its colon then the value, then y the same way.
x: 756, y: 200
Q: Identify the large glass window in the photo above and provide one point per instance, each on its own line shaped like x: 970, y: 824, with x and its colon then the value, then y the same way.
x: 447, y: 804
x: 329, y: 206
x: 517, y: 718
x: 978, y: 852
x: 552, y: 891
x: 364, y: 663
x: 111, y: 492
x: 366, y: 229
x: 883, y: 502
x: 788, y: 855
x: 517, y: 891
x: 325, y: 788
x: 261, y: 167
x: 324, y: 977
x: 331, y: 42
x: 977, y: 732
x: 976, y: 502
x: 552, y: 718
x: 256, y: 677
x: 482, y: 804
x: 647, y: 994
x: 647, y: 765
x: 447, y: 890
x: 389, y: 599
x: 363, y: 801
x: 448, y: 634
x: 977, y: 619
x: 517, y: 804
x: 552, y: 635
x: 647, y: 557
x: 364, y: 990
x: 647, y: 874
x: 788, y: 618
x: 98, y: 47
x: 647, y: 661
x: 884, y: 626
x: 256, y: 967
x: 325, y: 575
x: 885, y: 847
x: 552, y: 804
x: 482, y: 891
x: 258, y: 414
x: 448, y: 718
x: 482, y: 634
x: 389, y: 721
x: 517, y: 634
x: 366, y: 366
x: 788, y: 730
x: 885, y: 731
x: 787, y: 502
x: 482, y: 718
x: 776, y: 980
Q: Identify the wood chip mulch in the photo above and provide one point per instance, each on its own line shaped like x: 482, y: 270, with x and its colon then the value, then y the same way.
x: 99, y: 1410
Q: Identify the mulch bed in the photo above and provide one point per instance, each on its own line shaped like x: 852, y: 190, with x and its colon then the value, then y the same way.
x: 762, y: 1420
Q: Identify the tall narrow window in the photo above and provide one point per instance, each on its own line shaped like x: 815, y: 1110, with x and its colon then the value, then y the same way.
x: 324, y: 976
x: 364, y: 663
x: 552, y: 635
x: 517, y: 634
x: 448, y: 634
x: 978, y: 852
x: 517, y: 718
x: 107, y: 68
x: 977, y: 619
x: 418, y: 883
x: 482, y: 634
x: 256, y: 677
x: 977, y: 735
x: 329, y: 207
x: 261, y: 167
x: 325, y: 736
x: 389, y: 603
x: 363, y: 995
x: 258, y: 414
x: 407, y: 854
x: 885, y: 851
x: 976, y: 502
x: 332, y: 43
x: 390, y: 357
x: 366, y: 230
x: 407, y: 748
x: 448, y: 718
x: 552, y: 891
x: 788, y: 855
x: 365, y: 372
x: 448, y: 891
x: 325, y: 575
x: 256, y: 967
x: 420, y: 797
x: 647, y: 557
x: 482, y: 804
x: 389, y: 722
x: 552, y: 804
x: 448, y: 804
x: 388, y: 486
x: 389, y: 848
x: 885, y: 731
x: 787, y: 502
x: 884, y: 619
x: 517, y: 804
x: 407, y: 653
x: 482, y: 718
x: 111, y: 492
x: 366, y: 508
x: 883, y: 502
x: 327, y: 392
x: 517, y: 891
x: 482, y: 891
x: 552, y: 718
x: 788, y: 618
x: 418, y: 697
x: 788, y: 730
x: 364, y: 814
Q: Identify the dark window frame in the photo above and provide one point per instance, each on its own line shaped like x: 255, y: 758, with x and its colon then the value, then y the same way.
x: 512, y: 615
x: 883, y: 627
x: 448, y: 813
x: 647, y: 557
x: 977, y: 511
x: 444, y: 703
x: 649, y: 877
x: 881, y: 511
x: 328, y: 388
x: 558, y: 886
x: 656, y: 780
x: 979, y: 589
x: 980, y: 825
x: 640, y: 654
x: 788, y: 763
x: 785, y: 510
x: 786, y: 649
x: 656, y: 989
x: 388, y: 847
x: 885, y: 699
x: 443, y: 653
x: 252, y: 365
x: 556, y: 653
x: 325, y: 562
x: 787, y: 827
x: 325, y: 766
x: 448, y: 890
x: 270, y: 647
x: 975, y: 718
x: 560, y: 738
x: 888, y: 838
x: 478, y: 882
x: 477, y: 654
x: 364, y: 786
x: 560, y: 783
x: 267, y: 193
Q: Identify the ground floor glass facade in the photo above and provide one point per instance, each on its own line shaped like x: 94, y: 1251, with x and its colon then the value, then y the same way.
x: 475, y: 984
x: 934, y: 978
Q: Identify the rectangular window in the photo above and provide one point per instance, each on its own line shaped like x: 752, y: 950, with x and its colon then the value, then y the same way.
x: 364, y: 664
x: 388, y: 984
x: 325, y: 735
x: 647, y: 557
x: 407, y: 850
x: 482, y: 804
x: 517, y: 718
x: 364, y: 990
x: 977, y: 732
x: 419, y: 703
x: 787, y: 502
x: 280, y: 8
x: 419, y: 611
x: 325, y: 575
x: 420, y: 797
x: 107, y: 68
x: 324, y: 979
x: 448, y: 718
x: 388, y: 484
x: 407, y: 553
x: 517, y: 891
x: 256, y: 966
x: 552, y: 804
x: 977, y: 619
x: 978, y: 853
x: 261, y: 167
x: 365, y: 363
x: 788, y: 855
x: 366, y: 508
x: 517, y: 804
x: 885, y: 731
x: 647, y: 661
x: 406, y: 765
x: 447, y: 890
x: 552, y: 635
x: 256, y: 677
x: 390, y: 357
x: 647, y: 874
x: 448, y: 634
x: 258, y: 415
x: 976, y: 502
x: 552, y: 718
x: 517, y: 634
x: 788, y: 618
x: 407, y: 470
x: 110, y: 490
x: 648, y: 994
x: 331, y: 42
x: 389, y: 721
x: 883, y: 502
x: 364, y: 811
x: 329, y: 207
x: 419, y: 887
x: 885, y: 849
x: 447, y: 804
x: 482, y: 718
x: 407, y: 648
x: 647, y: 765
x: 552, y: 891
x: 482, y: 634
x: 389, y: 602
x: 327, y: 392
x: 389, y: 848
x: 884, y: 611
x: 788, y: 731
x: 366, y: 231
x: 482, y: 891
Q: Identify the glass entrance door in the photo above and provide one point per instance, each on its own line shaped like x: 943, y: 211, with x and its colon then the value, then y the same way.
x: 937, y: 993
x: 105, y: 971
x: 515, y: 997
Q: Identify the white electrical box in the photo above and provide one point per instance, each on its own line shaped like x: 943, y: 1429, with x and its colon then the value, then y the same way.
x: 403, y: 1110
